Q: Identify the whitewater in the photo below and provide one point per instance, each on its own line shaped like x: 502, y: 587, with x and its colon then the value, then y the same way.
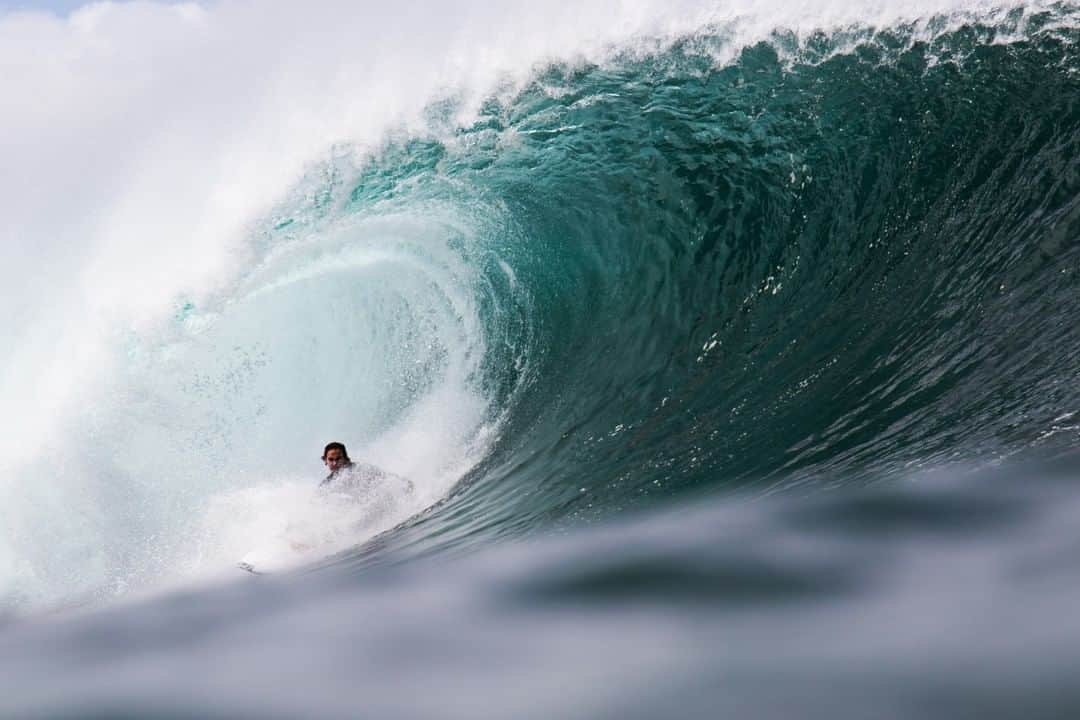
x: 723, y: 358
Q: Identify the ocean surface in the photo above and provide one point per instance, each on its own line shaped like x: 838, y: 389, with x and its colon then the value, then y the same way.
x: 731, y: 353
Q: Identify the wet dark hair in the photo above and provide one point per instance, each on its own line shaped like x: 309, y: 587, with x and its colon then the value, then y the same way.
x: 336, y: 446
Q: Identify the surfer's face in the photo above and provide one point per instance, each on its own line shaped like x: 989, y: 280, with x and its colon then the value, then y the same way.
x: 334, y: 459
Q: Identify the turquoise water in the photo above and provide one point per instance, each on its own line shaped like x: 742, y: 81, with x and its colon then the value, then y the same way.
x: 733, y: 380
x: 838, y: 260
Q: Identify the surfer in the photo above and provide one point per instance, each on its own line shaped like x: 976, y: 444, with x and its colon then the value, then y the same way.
x: 345, y: 475
x: 336, y: 458
x: 359, y: 479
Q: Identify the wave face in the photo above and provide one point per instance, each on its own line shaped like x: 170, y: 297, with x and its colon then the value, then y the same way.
x: 686, y: 268
x: 837, y: 258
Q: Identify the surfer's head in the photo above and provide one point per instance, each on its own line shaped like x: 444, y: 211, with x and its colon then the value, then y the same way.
x: 336, y: 457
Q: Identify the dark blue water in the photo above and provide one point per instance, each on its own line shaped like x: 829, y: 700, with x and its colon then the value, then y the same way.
x: 781, y: 358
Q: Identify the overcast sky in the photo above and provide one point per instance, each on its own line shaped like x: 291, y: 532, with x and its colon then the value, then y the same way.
x: 57, y: 6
